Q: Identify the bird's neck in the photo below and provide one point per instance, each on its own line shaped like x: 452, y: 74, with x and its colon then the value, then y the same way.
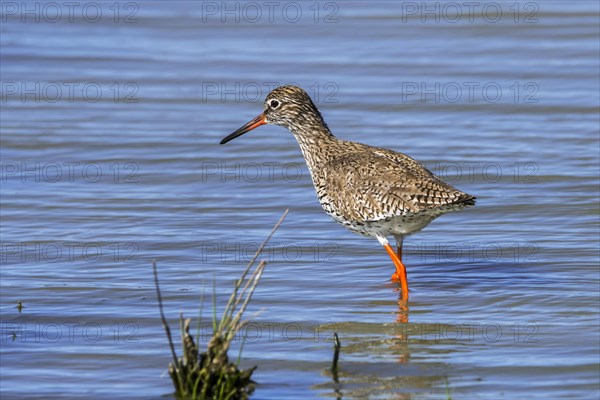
x: 314, y: 142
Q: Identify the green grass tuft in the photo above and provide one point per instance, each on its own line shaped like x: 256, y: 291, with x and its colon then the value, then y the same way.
x: 210, y: 374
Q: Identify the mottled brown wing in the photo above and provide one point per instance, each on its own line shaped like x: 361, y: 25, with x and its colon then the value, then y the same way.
x: 378, y: 184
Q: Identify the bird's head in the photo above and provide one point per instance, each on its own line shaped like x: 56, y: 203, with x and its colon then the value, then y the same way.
x: 288, y: 106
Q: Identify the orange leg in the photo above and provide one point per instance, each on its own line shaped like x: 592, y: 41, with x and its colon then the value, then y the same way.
x: 399, y: 253
x: 400, y: 274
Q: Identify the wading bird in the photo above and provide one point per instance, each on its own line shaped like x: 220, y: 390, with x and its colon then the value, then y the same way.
x: 372, y: 191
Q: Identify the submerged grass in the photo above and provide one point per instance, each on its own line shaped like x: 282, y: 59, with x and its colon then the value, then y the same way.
x: 210, y: 374
x: 336, y: 356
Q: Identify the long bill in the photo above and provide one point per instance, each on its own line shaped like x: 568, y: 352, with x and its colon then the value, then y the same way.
x: 255, y: 123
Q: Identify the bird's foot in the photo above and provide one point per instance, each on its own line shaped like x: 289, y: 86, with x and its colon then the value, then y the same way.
x: 396, y: 277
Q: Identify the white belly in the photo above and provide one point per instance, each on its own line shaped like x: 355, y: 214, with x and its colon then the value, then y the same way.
x: 400, y: 225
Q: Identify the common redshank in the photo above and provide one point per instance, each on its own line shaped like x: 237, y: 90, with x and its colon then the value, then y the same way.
x: 370, y: 190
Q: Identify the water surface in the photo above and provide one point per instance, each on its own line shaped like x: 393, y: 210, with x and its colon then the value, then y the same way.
x: 110, y: 159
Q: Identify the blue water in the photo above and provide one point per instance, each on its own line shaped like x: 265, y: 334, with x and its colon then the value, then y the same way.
x: 110, y: 159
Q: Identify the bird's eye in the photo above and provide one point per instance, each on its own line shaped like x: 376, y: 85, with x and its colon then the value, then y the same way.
x: 274, y: 103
